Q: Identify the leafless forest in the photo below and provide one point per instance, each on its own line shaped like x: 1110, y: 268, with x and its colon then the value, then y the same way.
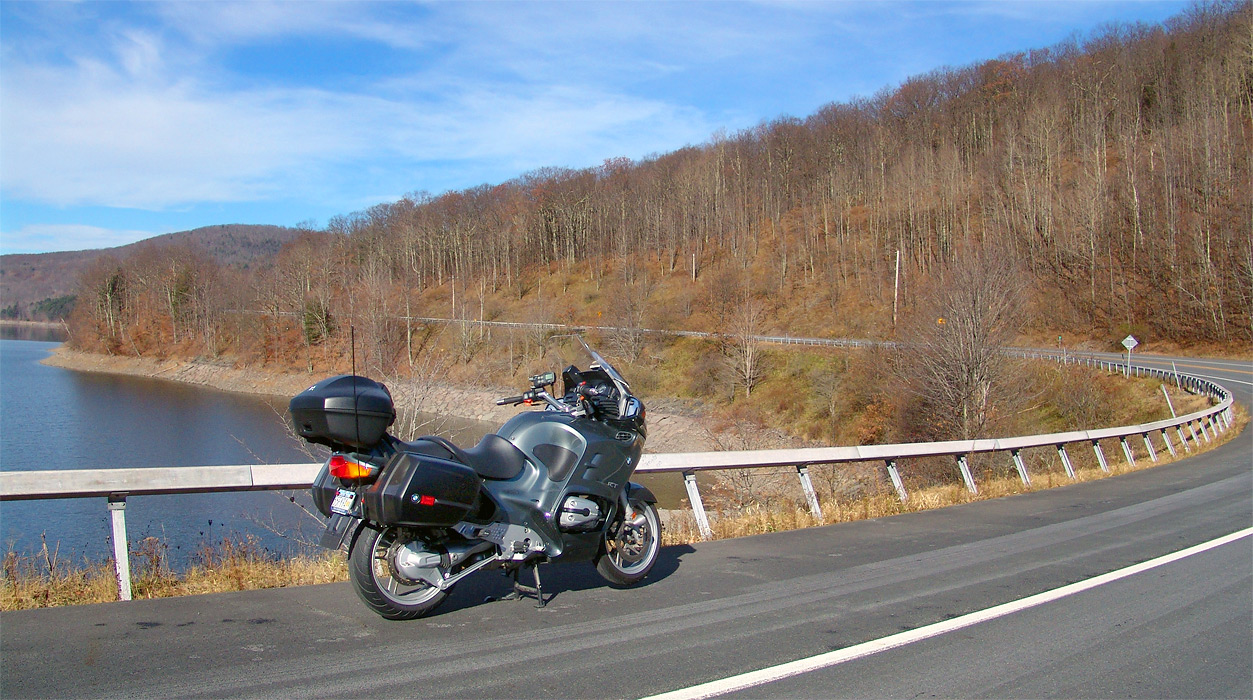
x: 1109, y: 176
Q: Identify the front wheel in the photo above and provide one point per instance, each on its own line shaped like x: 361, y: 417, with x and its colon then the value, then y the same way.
x: 630, y: 547
x: 371, y: 572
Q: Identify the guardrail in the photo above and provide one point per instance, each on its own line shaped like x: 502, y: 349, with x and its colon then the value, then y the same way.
x: 116, y: 485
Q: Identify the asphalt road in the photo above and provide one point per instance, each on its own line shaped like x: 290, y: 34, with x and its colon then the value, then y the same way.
x: 724, y: 608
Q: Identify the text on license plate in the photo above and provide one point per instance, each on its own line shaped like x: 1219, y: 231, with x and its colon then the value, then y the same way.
x: 343, y: 502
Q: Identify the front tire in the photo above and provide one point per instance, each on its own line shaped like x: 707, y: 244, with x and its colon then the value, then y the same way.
x: 630, y: 550
x: 370, y: 571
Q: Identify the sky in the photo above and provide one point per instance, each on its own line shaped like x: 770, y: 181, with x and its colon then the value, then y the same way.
x: 123, y: 121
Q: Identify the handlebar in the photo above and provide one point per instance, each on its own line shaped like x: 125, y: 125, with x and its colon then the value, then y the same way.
x: 526, y: 397
x: 539, y: 395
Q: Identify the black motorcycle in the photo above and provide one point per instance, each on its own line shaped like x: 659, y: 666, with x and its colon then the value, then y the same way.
x: 417, y: 517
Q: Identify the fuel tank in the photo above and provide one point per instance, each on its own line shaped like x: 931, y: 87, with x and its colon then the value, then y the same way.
x: 575, y: 448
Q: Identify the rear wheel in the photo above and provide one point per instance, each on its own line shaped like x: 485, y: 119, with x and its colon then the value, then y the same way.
x: 630, y: 547
x: 373, y: 577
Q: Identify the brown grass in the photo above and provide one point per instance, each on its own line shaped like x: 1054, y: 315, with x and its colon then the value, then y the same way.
x: 43, y: 580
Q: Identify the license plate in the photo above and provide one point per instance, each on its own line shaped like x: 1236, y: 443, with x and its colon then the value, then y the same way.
x: 343, y: 502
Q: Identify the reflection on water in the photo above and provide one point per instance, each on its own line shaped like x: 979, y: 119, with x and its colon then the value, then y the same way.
x: 49, y: 333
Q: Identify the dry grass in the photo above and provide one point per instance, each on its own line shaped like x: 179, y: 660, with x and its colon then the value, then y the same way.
x: 43, y: 580
x: 728, y: 520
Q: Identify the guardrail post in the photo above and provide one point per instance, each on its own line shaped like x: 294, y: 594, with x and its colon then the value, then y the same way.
x: 1204, y: 434
x: 895, y: 476
x: 1183, y: 440
x: 1070, y: 469
x: 698, y: 506
x: 1100, y: 456
x: 1149, y: 446
x: 121, y: 546
x: 1169, y: 445
x: 808, y: 486
x: 1022, y: 468
x: 1192, y: 429
x: 966, y: 477
x: 1126, y: 450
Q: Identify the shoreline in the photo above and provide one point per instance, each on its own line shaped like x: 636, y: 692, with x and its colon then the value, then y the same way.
x: 668, y: 431
x: 18, y: 323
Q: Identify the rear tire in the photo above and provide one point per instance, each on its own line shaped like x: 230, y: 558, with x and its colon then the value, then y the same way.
x: 371, y: 574
x: 628, y: 551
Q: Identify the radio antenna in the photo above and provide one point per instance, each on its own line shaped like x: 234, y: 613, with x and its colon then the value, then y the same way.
x: 356, y: 414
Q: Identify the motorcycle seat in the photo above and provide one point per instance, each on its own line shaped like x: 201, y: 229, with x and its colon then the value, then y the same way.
x: 493, y: 458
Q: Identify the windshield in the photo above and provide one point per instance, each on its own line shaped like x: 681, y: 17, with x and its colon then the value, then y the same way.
x: 564, y: 350
x: 604, y: 364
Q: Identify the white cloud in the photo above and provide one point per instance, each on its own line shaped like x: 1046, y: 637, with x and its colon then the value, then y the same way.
x: 128, y: 135
x: 88, y: 134
x: 253, y: 20
x: 142, y: 116
x: 45, y: 238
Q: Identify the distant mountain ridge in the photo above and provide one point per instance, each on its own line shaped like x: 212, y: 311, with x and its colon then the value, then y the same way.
x: 26, y: 279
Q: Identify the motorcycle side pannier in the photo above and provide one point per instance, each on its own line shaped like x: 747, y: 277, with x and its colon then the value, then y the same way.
x: 421, y: 490
x: 343, y: 412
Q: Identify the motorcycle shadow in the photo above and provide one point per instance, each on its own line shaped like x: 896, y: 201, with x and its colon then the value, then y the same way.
x: 558, y: 578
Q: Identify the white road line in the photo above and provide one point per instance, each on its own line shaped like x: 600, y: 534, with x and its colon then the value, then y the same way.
x: 813, y: 663
x: 1221, y: 380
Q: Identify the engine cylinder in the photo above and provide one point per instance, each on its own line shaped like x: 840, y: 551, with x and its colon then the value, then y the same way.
x: 579, y: 514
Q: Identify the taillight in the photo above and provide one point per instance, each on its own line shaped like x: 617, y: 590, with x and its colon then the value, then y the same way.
x: 343, y: 468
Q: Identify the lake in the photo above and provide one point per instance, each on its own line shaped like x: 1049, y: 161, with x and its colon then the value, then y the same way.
x: 54, y: 418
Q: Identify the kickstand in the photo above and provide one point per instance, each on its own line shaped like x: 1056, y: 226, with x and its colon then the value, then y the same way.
x: 521, y: 590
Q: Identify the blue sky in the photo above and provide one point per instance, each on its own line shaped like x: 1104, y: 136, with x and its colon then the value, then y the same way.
x: 121, y: 121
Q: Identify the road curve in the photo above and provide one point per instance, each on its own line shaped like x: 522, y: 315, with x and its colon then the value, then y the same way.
x: 719, y: 609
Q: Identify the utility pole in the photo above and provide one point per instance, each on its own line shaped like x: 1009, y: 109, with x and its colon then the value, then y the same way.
x: 896, y: 287
x: 1168, y: 402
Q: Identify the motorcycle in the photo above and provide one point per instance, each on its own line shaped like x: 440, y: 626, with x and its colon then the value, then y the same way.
x: 418, y: 517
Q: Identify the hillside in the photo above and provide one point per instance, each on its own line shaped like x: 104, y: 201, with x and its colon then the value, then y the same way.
x: 1107, y: 177
x: 1065, y: 196
x: 26, y: 280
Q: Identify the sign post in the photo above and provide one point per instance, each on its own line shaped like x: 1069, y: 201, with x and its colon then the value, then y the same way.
x: 1129, y: 342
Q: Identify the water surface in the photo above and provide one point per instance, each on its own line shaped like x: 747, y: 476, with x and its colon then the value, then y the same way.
x: 53, y: 418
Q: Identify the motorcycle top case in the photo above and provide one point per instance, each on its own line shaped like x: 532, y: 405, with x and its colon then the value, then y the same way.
x: 343, y: 411
x: 421, y: 490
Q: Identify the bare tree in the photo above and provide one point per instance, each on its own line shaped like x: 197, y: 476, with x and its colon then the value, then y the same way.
x: 952, y: 355
x: 105, y: 287
x: 742, y: 346
x: 629, y: 297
